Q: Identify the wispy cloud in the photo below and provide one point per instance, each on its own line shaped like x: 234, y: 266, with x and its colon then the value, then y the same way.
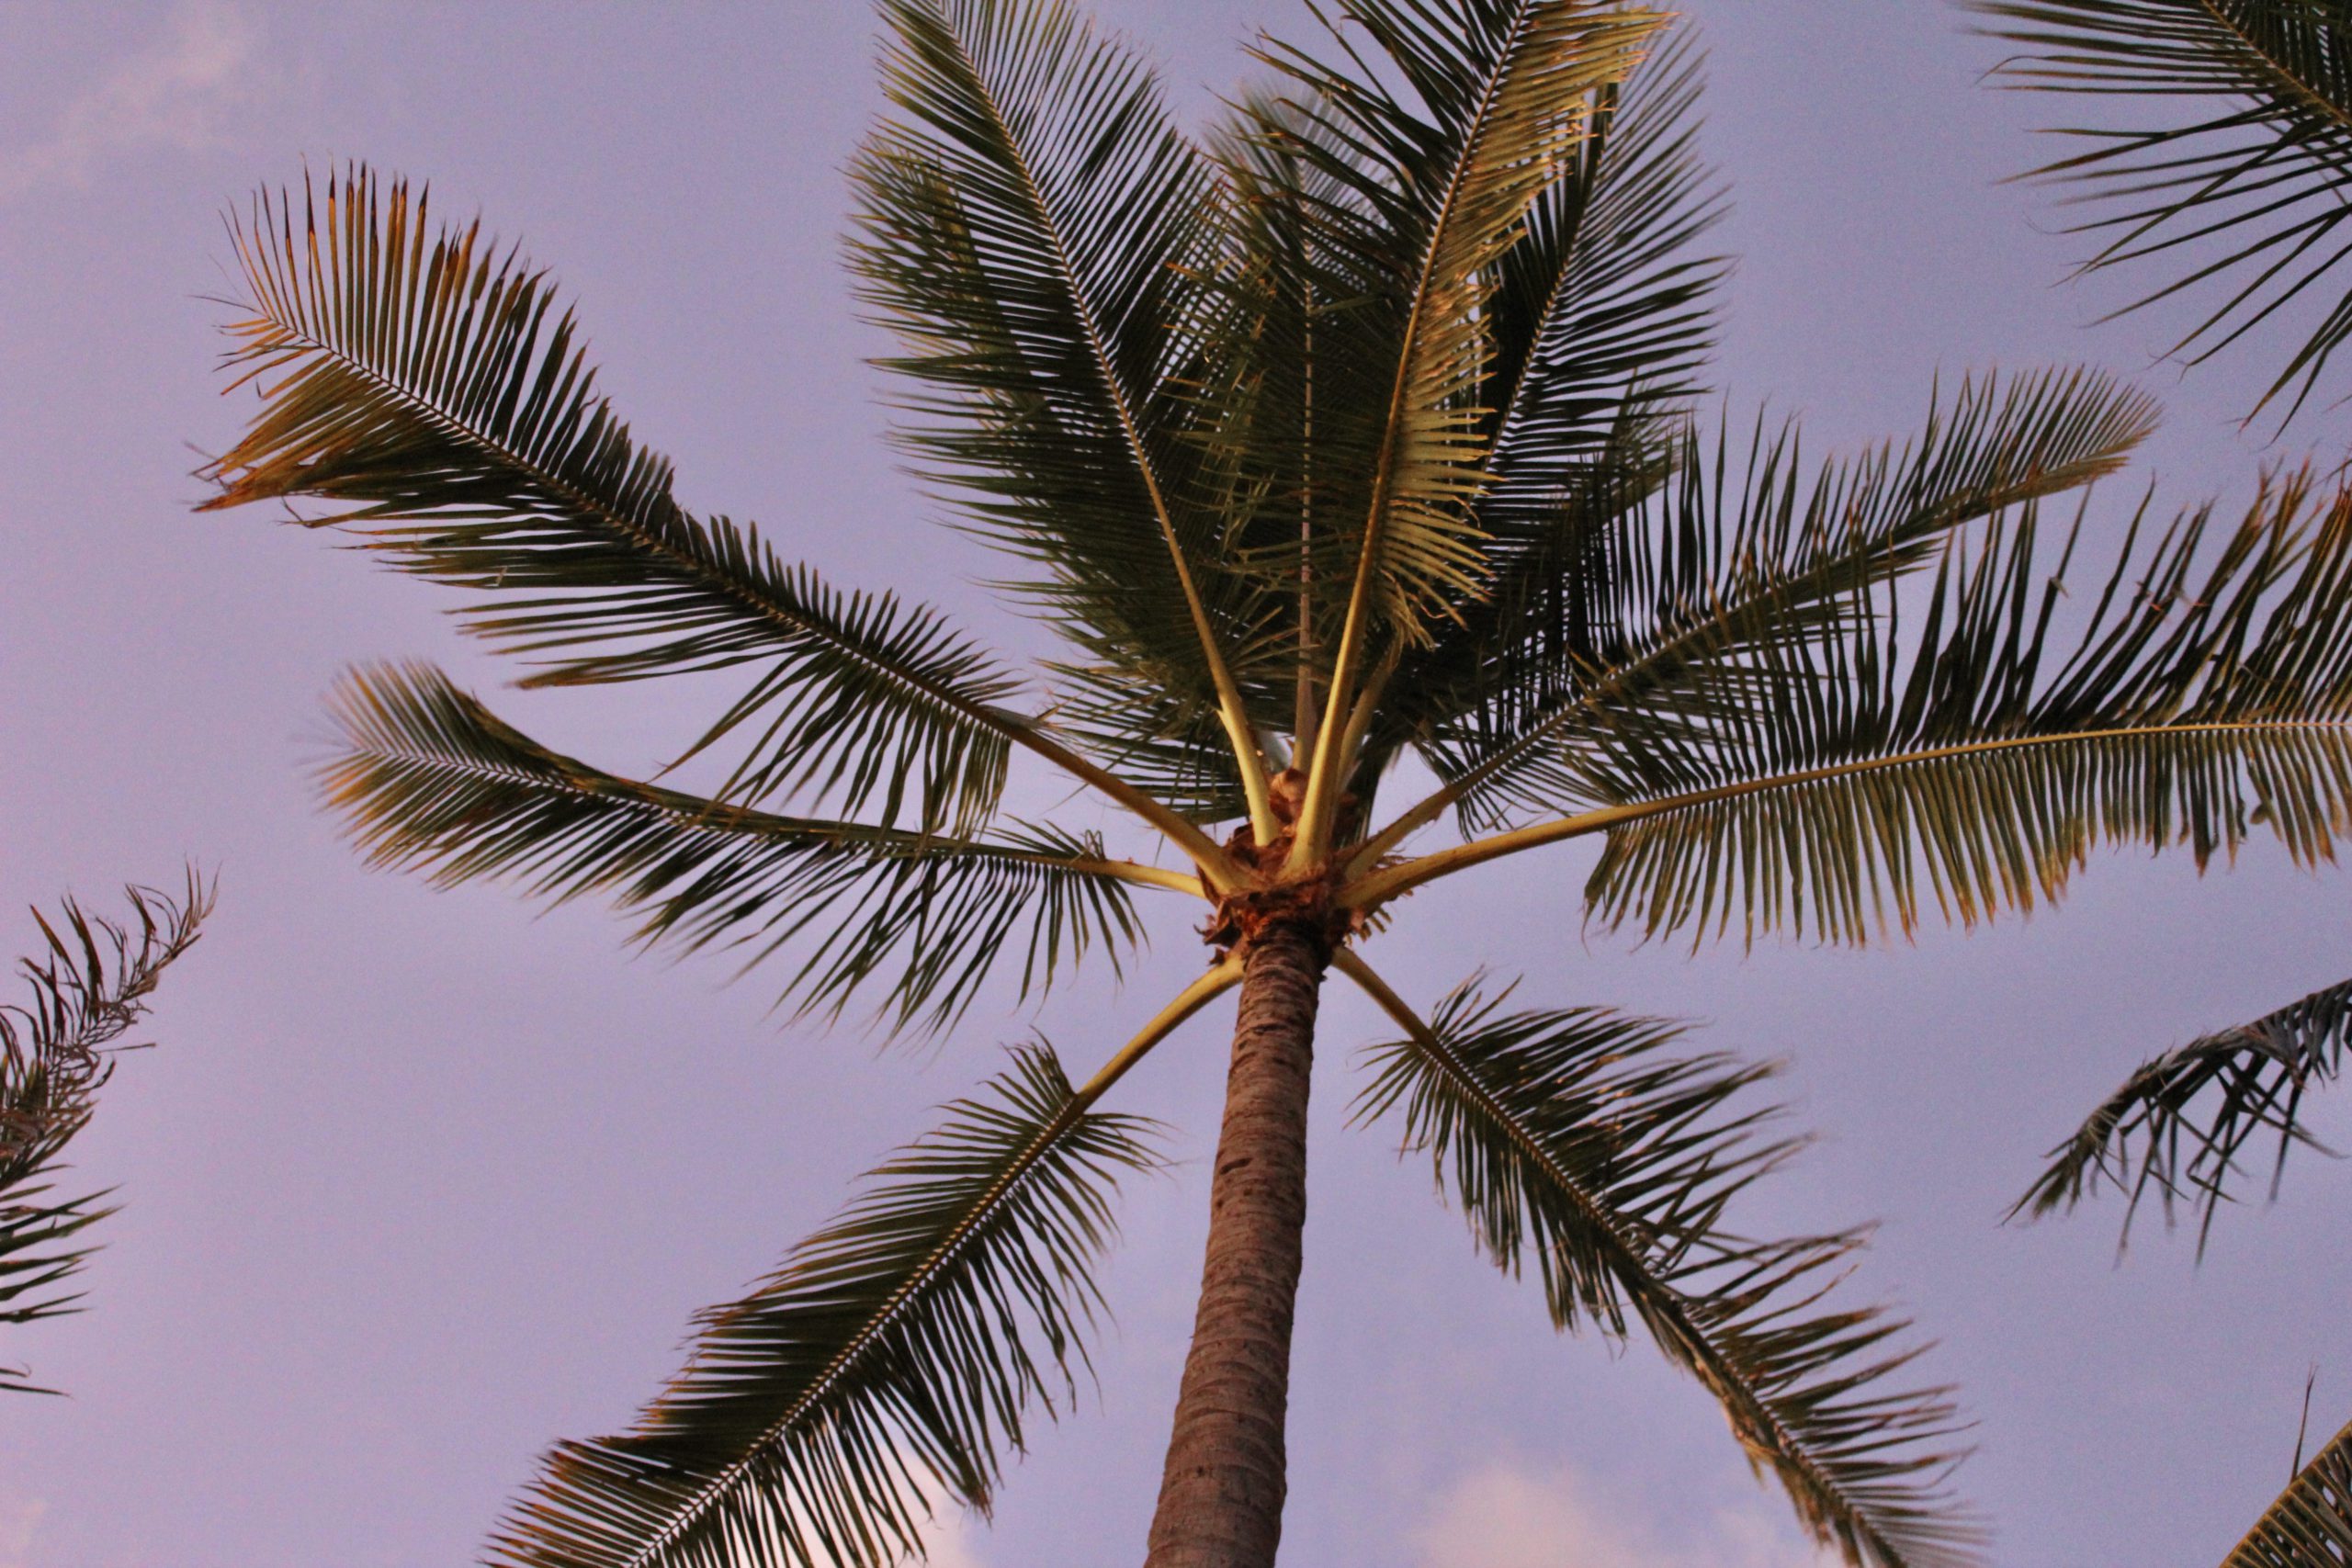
x: 178, y: 93
x: 1506, y: 1517
x: 19, y: 1518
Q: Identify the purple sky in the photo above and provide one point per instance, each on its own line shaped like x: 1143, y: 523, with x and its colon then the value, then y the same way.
x: 419, y: 1181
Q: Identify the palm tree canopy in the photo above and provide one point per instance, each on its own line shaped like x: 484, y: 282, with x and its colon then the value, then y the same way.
x: 1348, y: 444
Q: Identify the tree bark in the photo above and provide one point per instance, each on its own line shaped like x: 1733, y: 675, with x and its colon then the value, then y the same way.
x: 1221, y: 1492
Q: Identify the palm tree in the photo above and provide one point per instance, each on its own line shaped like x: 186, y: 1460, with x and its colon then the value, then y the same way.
x: 89, y: 987
x: 2242, y: 199
x: 1348, y: 448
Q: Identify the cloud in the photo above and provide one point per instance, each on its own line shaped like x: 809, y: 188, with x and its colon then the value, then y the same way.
x: 1504, y: 1516
x: 175, y: 94
x: 19, y: 1518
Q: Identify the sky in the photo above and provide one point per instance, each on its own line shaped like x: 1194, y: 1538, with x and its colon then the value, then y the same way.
x: 417, y: 1182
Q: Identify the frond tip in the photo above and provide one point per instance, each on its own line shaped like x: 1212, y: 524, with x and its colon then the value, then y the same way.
x: 89, y: 987
x: 2180, y: 1120
x: 1570, y: 1139
x: 894, y: 1357
x: 2311, y: 1524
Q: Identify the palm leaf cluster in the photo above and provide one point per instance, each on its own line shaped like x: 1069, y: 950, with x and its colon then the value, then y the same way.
x: 889, y: 1363
x: 1047, y: 240
x: 2241, y: 199
x: 1358, y: 429
x: 89, y: 987
x: 423, y: 384
x: 2178, y: 1124
x: 1738, y: 555
x: 1573, y: 1143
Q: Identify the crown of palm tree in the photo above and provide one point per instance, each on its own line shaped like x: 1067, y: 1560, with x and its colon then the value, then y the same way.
x: 1355, y: 432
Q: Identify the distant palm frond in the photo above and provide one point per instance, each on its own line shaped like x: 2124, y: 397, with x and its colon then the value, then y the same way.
x: 1573, y: 1143
x: 89, y: 988
x: 892, y: 1359
x: 2191, y: 1110
x: 430, y: 780
x: 2244, y: 198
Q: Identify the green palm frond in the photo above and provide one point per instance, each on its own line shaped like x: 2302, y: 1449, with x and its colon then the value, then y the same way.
x: 1604, y: 315
x: 1573, y: 1142
x: 1044, y: 242
x: 894, y: 1357
x: 1735, y: 555
x: 89, y: 987
x: 1841, y: 785
x: 430, y: 780
x: 1505, y: 96
x: 2244, y: 198
x: 2311, y: 1524
x: 1603, y: 326
x: 424, y: 385
x: 2178, y: 1123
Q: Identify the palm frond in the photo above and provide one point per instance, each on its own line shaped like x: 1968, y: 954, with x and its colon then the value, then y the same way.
x: 429, y: 779
x: 1735, y: 554
x: 1605, y: 315
x: 1601, y: 328
x: 2178, y: 1124
x: 90, y: 987
x: 1506, y: 94
x: 2311, y: 1524
x: 423, y: 384
x: 1045, y: 243
x: 1841, y: 786
x: 895, y: 1356
x: 1573, y: 1142
x: 2243, y: 197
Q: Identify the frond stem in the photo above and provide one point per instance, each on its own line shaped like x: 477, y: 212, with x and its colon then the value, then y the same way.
x: 1188, y: 1002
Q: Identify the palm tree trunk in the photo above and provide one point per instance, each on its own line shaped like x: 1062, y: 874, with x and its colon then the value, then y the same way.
x: 1221, y: 1494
